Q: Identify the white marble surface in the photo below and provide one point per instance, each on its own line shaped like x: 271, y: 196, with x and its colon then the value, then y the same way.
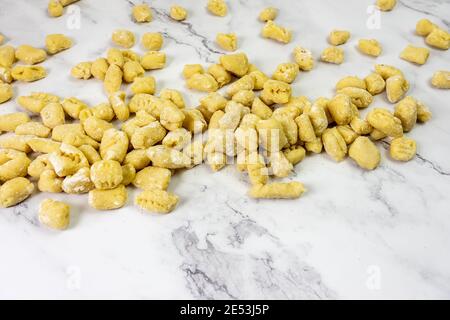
x: 355, y: 234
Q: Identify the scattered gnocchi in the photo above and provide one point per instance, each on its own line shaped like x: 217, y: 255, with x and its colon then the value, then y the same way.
x: 256, y: 119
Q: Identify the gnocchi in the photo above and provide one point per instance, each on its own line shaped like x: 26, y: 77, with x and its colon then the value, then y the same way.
x: 54, y: 214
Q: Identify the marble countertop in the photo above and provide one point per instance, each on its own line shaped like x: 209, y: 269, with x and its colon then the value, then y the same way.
x: 354, y: 234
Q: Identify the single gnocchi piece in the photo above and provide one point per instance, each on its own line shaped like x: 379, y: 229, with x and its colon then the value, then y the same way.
x: 347, y: 133
x: 365, y: 153
x: 73, y: 106
x: 78, y: 183
x: 55, y: 8
x: 62, y: 131
x: 164, y: 157
x: 406, y: 111
x: 113, y: 79
x: 43, y: 145
x: 191, y: 69
x: 255, y: 165
x: 275, y: 32
x: 360, y: 126
x: 375, y: 83
x: 171, y: 117
x: 275, y: 91
x: 90, y: 153
x: 53, y: 115
x: 152, y: 178
x: 15, y: 191
x: 333, y: 55
x: 148, y: 135
x: 387, y: 71
x: 6, y: 92
x: 9, y: 122
x: 132, y: 70
x: 295, y: 154
x: 236, y: 63
x: 118, y: 104
x: 286, y: 72
x: 259, y: 77
x: 13, y: 164
x: 402, y: 149
x: 340, y: 108
x: 128, y: 173
x: 96, y: 128
x: 142, y: 13
x: 315, y: 146
x: 227, y: 41
x: 269, y: 13
x: 423, y: 112
x: 57, y: 42
x: 28, y: 73
x: 318, y: 115
x: 260, y: 109
x: 115, y: 56
x: 280, y: 165
x: 177, y: 139
x: 303, y: 58
x: 244, y: 97
x: 153, y: 60
x: 5, y: 75
x: 50, y: 182
x: 108, y: 199
x: 123, y: 38
x: 213, y: 102
x: 194, y: 121
x: 67, y: 160
x: 247, y: 82
x: 178, y: 13
x: 152, y: 41
x: 271, y: 135
x: 82, y: 70
x: 99, y: 67
x: 351, y: 81
x: 306, y: 131
x: 106, y: 174
x: 7, y: 56
x: 137, y: 158
x: 415, y: 54
x: 338, y: 37
x: 384, y: 121
x: 143, y: 85
x: 54, y: 214
x: 157, y: 200
x: 34, y: 129
x: 30, y: 55
x: 334, y: 144
x: 370, y: 47
x: 173, y: 96
x: 16, y: 142
x: 217, y: 7
x: 386, y: 5
x: 396, y: 87
x: 424, y: 27
x: 277, y: 190
x: 439, y: 39
x: 36, y: 101
x: 39, y: 165
x: 441, y: 79
x: 114, y: 145
x: 360, y: 97
x: 202, y: 82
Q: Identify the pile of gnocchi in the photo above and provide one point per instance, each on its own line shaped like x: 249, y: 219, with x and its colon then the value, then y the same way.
x: 143, y: 139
